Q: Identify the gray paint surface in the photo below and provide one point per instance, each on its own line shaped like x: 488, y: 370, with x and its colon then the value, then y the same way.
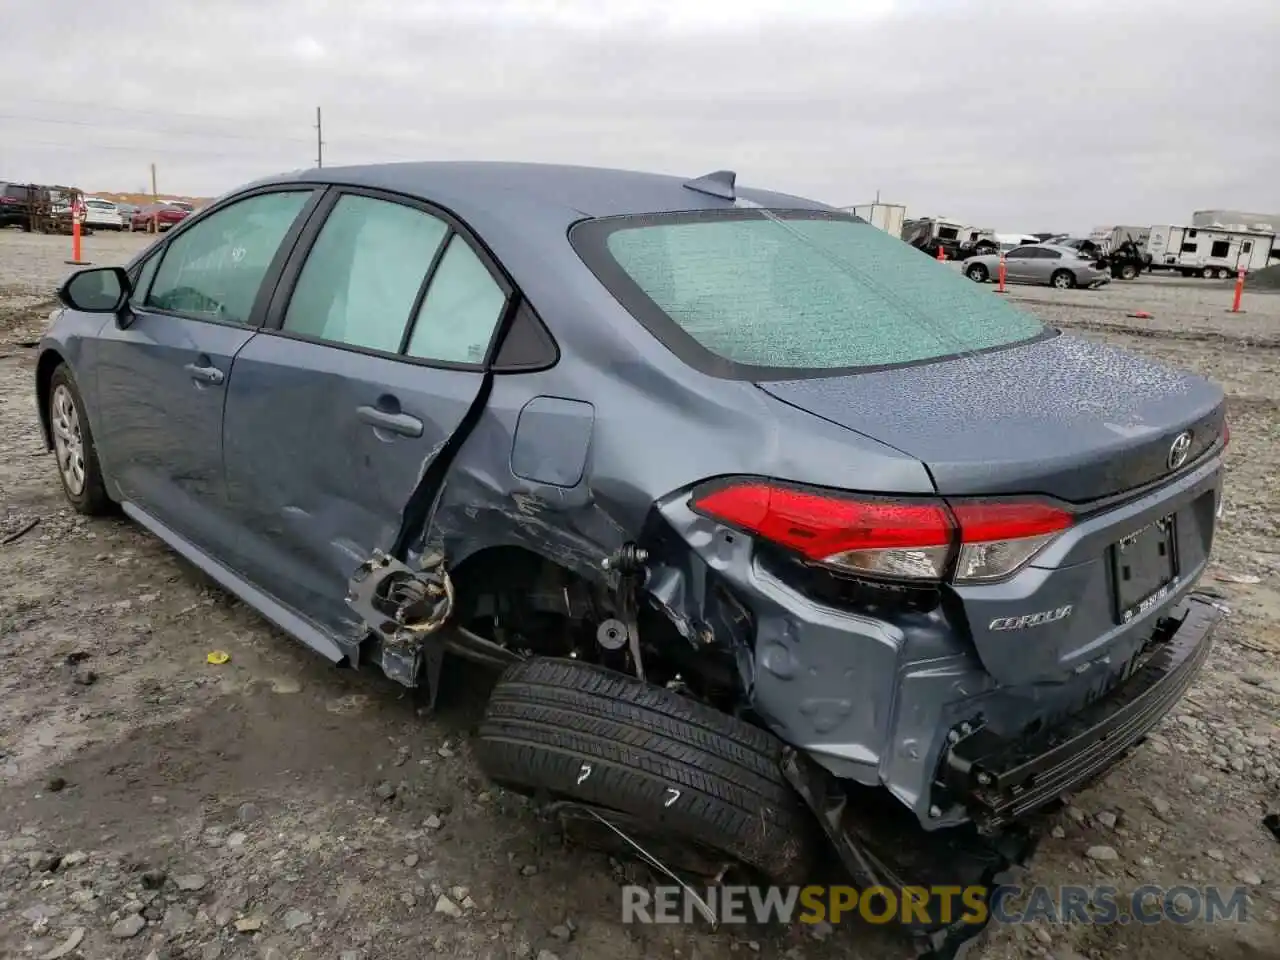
x: 277, y: 477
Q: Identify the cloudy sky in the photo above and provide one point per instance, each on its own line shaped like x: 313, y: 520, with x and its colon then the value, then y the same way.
x: 1014, y: 114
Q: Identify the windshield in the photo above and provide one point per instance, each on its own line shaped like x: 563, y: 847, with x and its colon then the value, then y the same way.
x: 792, y: 291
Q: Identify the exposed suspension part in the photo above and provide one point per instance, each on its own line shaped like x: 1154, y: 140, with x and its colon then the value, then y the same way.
x: 628, y: 562
x: 408, y: 613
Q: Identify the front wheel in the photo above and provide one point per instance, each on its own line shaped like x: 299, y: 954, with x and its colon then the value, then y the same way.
x: 1063, y: 280
x: 1128, y: 272
x: 686, y: 776
x: 977, y: 273
x: 77, y: 457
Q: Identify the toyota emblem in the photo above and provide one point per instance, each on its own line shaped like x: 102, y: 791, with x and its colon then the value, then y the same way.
x: 1179, y: 450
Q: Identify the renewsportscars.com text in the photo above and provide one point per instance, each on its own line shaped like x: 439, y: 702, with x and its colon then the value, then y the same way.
x: 1098, y: 905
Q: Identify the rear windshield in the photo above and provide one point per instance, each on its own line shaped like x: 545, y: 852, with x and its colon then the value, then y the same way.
x: 739, y: 293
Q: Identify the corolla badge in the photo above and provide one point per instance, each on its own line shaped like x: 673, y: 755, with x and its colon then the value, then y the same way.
x: 1030, y: 619
x: 1179, y: 450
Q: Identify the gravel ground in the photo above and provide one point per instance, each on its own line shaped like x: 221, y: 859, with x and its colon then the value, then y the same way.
x: 153, y: 805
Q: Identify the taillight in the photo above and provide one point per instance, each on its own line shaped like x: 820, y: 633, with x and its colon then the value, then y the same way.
x: 914, y: 539
x: 999, y: 536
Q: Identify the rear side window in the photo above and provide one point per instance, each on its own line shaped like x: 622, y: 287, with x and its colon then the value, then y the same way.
x: 362, y: 277
x: 462, y: 308
x: 799, y: 291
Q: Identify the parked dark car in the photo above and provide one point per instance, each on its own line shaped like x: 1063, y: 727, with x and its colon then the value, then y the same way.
x: 15, y: 205
x: 763, y: 514
x: 157, y: 217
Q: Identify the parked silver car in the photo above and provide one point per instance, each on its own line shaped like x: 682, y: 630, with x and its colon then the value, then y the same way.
x: 1058, y: 266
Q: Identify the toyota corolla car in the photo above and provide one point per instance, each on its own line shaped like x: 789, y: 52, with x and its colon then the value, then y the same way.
x: 1041, y: 263
x: 777, y: 529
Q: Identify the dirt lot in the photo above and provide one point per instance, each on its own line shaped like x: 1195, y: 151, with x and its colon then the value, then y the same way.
x: 154, y: 805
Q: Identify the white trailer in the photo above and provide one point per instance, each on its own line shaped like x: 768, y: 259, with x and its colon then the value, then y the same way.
x: 1209, y: 252
x: 887, y: 216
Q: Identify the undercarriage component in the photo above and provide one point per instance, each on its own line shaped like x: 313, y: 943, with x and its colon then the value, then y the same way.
x: 881, y: 846
x: 407, y: 611
x: 629, y: 563
x: 612, y: 634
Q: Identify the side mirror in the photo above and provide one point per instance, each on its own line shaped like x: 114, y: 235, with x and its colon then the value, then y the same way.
x: 97, y: 290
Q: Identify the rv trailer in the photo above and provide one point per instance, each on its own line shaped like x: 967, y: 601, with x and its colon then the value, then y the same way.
x: 1209, y: 251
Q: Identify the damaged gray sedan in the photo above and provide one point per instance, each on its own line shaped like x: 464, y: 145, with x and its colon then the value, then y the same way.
x: 786, y: 539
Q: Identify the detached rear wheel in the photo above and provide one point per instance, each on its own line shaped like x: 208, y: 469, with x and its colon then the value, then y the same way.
x: 649, y: 760
x: 77, y: 457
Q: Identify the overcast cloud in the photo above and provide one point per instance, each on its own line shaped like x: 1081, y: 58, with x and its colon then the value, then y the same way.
x: 1023, y: 115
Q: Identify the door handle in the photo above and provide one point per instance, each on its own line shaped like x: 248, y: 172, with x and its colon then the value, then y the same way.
x: 400, y: 423
x: 205, y: 374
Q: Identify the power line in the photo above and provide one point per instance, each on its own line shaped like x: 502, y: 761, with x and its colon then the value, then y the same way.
x: 213, y: 135
x: 98, y: 107
x: 146, y: 150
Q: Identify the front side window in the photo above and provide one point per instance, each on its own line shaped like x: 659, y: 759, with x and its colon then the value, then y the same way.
x: 794, y: 291
x: 363, y: 275
x: 143, y: 276
x: 214, y: 269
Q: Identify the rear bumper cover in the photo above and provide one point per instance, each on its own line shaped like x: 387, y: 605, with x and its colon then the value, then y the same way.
x: 1000, y: 780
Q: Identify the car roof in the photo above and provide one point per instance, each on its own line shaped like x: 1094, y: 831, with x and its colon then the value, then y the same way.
x: 559, y: 191
x: 522, y: 213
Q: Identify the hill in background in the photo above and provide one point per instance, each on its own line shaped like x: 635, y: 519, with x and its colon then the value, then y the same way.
x: 142, y: 199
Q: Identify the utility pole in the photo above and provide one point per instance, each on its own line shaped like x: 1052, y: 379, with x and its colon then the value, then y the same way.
x: 319, y: 141
x: 154, y: 193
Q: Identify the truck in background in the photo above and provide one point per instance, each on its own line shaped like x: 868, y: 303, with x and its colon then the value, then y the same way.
x: 957, y: 240
x: 1122, y: 248
x: 1209, y: 251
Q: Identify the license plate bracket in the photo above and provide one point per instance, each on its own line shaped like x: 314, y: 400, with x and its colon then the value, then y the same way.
x: 1144, y: 568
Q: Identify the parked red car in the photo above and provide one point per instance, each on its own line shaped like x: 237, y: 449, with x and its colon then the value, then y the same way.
x: 162, y: 215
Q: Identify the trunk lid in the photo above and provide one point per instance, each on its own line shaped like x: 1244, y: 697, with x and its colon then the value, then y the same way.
x: 1063, y: 417
x: 1069, y: 419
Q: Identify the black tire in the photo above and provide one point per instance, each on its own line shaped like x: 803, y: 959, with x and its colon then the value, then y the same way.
x: 977, y: 273
x: 594, y: 736
x: 92, y: 500
x: 1207, y: 273
x: 1128, y: 271
x: 1057, y: 282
